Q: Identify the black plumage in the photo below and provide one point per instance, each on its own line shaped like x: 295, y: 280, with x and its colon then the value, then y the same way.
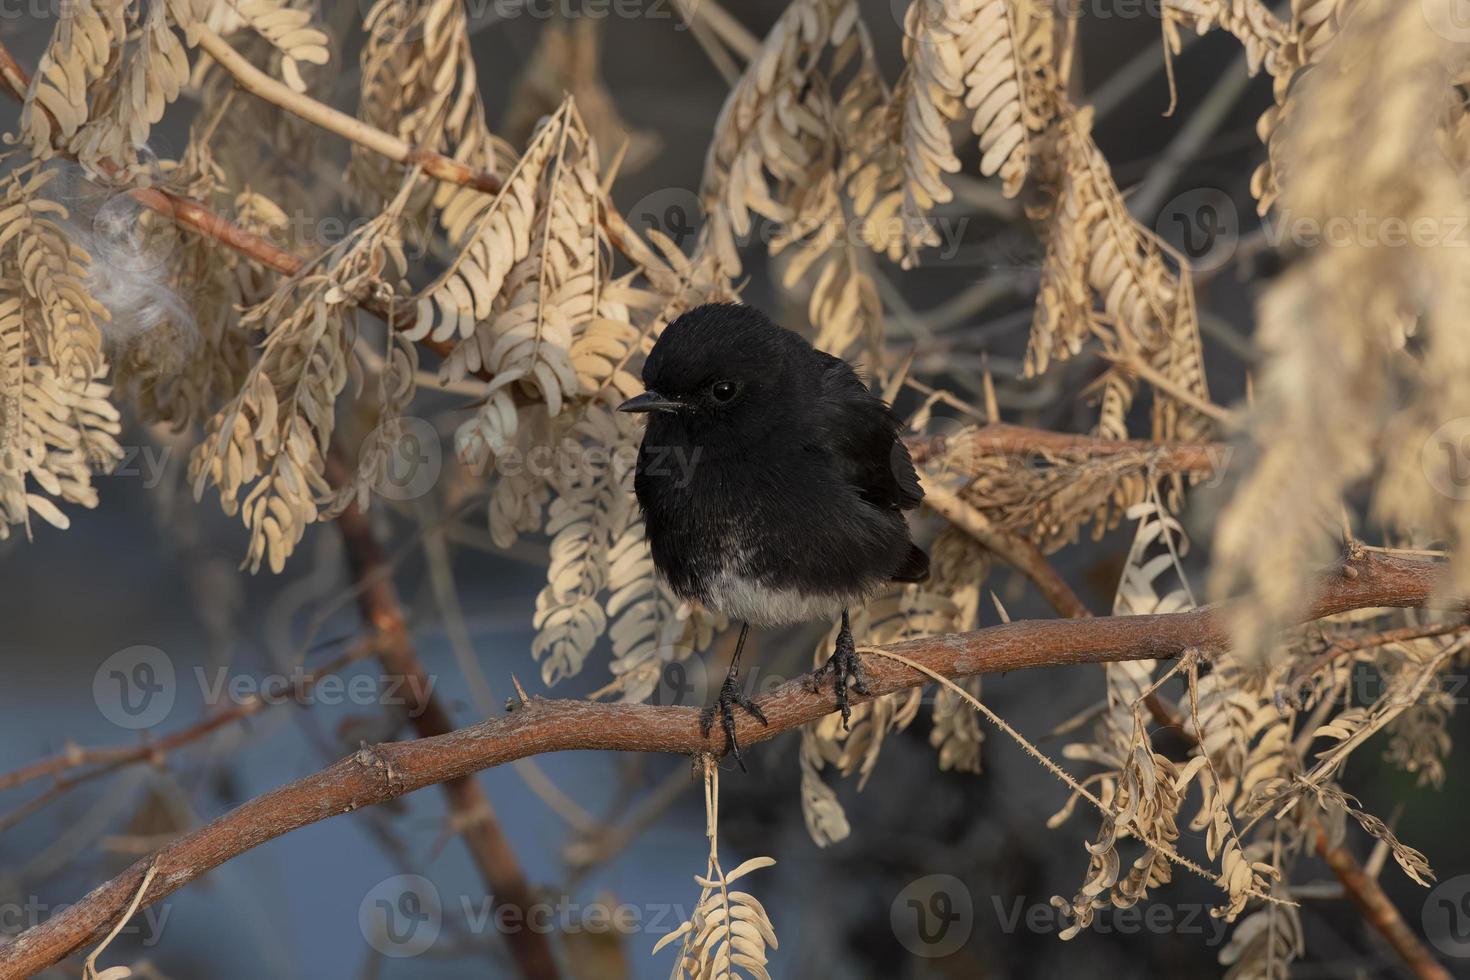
x: 772, y: 480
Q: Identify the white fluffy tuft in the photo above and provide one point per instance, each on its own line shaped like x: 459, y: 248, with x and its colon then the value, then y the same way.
x: 134, y: 251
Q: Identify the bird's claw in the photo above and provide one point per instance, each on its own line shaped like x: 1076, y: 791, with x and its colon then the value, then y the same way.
x: 846, y: 669
x: 725, y: 704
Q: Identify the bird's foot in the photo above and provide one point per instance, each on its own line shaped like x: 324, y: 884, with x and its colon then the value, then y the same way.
x: 725, y: 704
x: 846, y: 669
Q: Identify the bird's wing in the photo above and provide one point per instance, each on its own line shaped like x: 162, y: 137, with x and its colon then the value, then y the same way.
x: 915, y: 567
x: 861, y: 433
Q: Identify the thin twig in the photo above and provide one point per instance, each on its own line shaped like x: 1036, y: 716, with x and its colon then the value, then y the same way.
x: 1403, y: 634
x: 399, y: 150
x: 112, y: 757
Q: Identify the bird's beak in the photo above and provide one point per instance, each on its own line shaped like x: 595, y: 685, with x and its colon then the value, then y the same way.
x: 649, y: 401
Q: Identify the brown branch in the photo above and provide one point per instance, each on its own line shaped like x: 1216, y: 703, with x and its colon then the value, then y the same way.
x: 431, y: 162
x: 258, y: 83
x: 13, y: 75
x: 387, y: 771
x: 470, y: 807
x: 1380, y: 913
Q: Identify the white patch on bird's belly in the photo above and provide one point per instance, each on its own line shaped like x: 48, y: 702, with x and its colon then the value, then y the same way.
x: 743, y: 598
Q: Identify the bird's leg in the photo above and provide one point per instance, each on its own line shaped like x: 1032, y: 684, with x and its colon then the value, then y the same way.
x: 846, y: 669
x: 728, y: 699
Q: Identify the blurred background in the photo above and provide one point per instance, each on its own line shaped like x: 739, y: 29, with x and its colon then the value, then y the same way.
x: 152, y: 569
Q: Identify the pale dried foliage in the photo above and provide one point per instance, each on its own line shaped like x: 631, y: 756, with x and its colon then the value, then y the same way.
x: 271, y: 439
x: 729, y: 932
x: 1268, y: 745
x: 544, y: 302
x: 1106, y: 276
x: 1140, y: 789
x: 57, y: 424
x: 419, y: 83
x: 1341, y: 368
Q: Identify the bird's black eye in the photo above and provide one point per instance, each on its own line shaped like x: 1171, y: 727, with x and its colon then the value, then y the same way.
x: 723, y: 391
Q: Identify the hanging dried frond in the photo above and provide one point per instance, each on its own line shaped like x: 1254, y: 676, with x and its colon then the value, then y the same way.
x: 1141, y: 789
x: 1419, y: 739
x: 959, y: 567
x: 826, y: 820
x: 1334, y: 326
x: 1260, y: 32
x: 521, y: 320
x: 273, y: 436
x: 80, y: 55
x: 390, y: 441
x: 899, y: 145
x: 766, y: 130
x: 1353, y: 726
x: 57, y: 426
x: 1313, y: 26
x: 729, y: 932
x: 1010, y: 84
x: 1264, y: 944
x: 521, y: 492
x: 55, y: 432
x: 153, y: 71
x: 589, y: 506
x: 1104, y: 275
x: 50, y: 271
x: 419, y: 82
x: 289, y: 31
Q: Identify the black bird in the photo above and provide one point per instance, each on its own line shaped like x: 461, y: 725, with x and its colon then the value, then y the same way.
x: 772, y: 483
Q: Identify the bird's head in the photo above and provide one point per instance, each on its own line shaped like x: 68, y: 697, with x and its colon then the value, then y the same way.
x: 721, y: 372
